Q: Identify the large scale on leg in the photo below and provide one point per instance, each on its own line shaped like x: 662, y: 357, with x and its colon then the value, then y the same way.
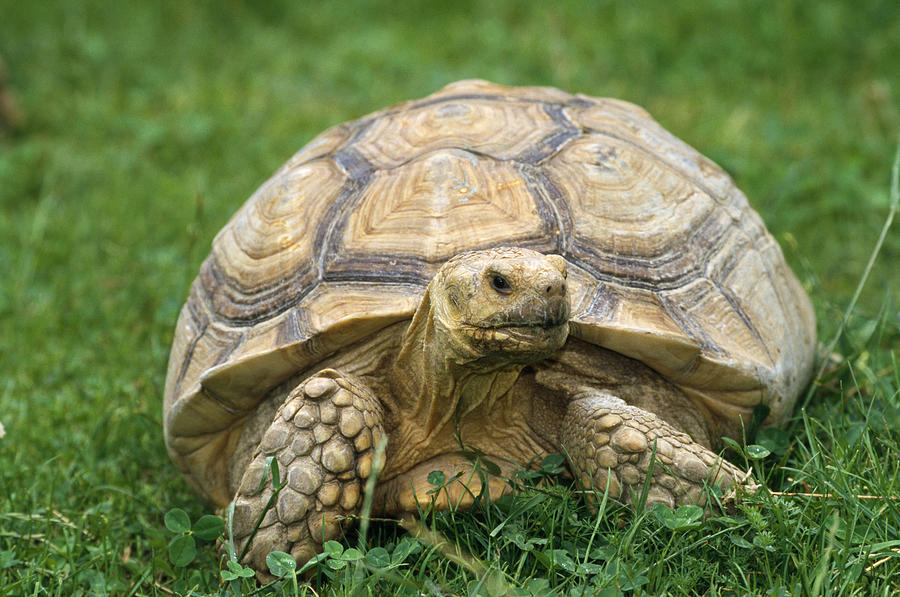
x: 518, y: 270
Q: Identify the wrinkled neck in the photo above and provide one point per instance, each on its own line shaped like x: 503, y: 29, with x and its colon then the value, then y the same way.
x: 441, y: 382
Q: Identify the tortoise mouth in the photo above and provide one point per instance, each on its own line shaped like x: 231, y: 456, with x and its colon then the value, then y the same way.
x: 525, y: 332
x: 544, y: 324
x: 545, y: 315
x: 521, y: 341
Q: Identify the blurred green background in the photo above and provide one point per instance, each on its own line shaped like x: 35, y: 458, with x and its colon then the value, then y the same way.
x: 148, y: 123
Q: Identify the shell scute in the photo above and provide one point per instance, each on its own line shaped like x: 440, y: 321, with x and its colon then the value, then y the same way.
x: 455, y: 201
x: 480, y: 125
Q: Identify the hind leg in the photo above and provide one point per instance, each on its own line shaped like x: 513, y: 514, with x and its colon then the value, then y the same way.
x: 323, y: 437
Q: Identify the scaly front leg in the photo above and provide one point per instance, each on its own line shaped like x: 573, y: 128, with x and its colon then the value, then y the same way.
x: 323, y: 437
x: 612, y: 443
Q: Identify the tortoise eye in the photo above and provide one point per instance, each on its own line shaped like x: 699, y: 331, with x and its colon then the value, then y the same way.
x: 500, y: 284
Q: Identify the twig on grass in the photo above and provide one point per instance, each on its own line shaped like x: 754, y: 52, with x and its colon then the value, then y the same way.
x: 871, y: 567
x: 832, y: 495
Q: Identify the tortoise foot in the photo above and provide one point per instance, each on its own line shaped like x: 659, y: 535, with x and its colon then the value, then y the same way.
x: 323, y: 438
x: 611, y: 444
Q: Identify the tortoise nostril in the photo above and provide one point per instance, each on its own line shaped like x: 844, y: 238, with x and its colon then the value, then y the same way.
x: 554, y: 287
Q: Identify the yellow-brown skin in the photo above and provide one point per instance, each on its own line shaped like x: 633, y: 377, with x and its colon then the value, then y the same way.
x: 483, y: 319
x: 486, y: 364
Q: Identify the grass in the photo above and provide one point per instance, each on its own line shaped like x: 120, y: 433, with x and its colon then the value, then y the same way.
x: 147, y: 125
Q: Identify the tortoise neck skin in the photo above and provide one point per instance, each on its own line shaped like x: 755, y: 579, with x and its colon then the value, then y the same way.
x: 485, y: 316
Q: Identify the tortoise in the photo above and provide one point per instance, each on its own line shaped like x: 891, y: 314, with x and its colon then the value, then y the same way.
x: 503, y: 271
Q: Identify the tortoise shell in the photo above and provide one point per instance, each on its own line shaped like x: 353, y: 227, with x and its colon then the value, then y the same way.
x: 668, y: 264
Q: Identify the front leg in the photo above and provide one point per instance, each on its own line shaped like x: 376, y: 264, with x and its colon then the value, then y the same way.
x: 324, y: 437
x: 611, y: 443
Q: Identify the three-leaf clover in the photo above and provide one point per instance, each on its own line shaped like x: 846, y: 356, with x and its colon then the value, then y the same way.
x: 684, y: 518
x: 281, y: 564
x: 183, y: 547
x: 235, y: 571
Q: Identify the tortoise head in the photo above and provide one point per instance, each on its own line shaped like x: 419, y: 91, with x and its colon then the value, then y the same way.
x: 504, y: 305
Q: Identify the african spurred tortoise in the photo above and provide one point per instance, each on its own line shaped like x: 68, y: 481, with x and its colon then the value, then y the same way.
x: 514, y: 271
